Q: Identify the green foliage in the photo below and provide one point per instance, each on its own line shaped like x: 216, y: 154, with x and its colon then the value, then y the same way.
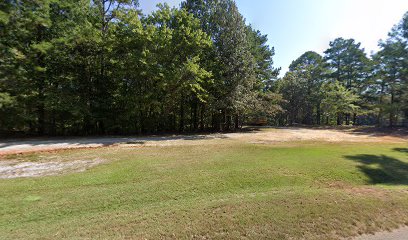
x: 263, y: 55
x: 391, y: 79
x: 5, y: 100
x: 301, y: 89
x: 375, y: 91
x: 87, y: 67
x: 337, y: 99
x: 347, y: 62
x: 99, y: 67
x: 241, y: 60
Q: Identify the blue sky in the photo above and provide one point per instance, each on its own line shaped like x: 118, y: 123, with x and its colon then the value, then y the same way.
x: 296, y: 26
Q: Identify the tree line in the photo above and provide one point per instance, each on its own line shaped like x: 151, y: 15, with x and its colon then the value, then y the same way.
x: 77, y: 67
x: 345, y: 86
x: 102, y: 67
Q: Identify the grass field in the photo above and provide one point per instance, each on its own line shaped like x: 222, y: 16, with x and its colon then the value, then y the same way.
x: 224, y: 188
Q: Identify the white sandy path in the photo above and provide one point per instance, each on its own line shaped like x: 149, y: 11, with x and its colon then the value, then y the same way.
x: 16, y: 169
x: 268, y: 136
x: 399, y: 234
x: 326, y: 135
x: 34, y: 145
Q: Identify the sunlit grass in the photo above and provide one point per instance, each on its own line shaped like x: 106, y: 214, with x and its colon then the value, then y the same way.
x: 223, y: 189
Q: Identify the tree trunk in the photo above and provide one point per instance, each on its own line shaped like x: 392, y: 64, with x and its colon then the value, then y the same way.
x: 40, y: 85
x: 53, y: 127
x: 380, y: 113
x: 41, y: 112
x: 236, y: 121
x: 224, y: 121
x: 213, y: 122
x: 202, y: 124
x: 379, y: 118
x: 392, y: 111
x: 181, y: 124
x: 391, y: 118
x: 195, y: 115
x: 355, y: 119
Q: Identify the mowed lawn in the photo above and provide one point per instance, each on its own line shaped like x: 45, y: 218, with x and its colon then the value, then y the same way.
x: 221, y: 189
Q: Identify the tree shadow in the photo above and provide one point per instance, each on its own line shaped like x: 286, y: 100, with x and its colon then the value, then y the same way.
x: 382, y: 169
x: 380, y: 132
x: 403, y: 150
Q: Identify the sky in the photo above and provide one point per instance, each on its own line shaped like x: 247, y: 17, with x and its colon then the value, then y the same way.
x: 296, y: 26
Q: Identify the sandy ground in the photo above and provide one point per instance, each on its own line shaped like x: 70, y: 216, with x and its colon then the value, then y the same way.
x: 264, y: 136
x: 38, y: 145
x: 325, y: 135
x: 16, y: 169
x: 399, y: 234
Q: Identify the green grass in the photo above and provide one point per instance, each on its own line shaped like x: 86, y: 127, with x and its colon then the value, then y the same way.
x: 224, y: 189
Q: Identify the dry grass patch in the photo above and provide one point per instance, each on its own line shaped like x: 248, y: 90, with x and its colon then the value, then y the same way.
x: 228, y: 188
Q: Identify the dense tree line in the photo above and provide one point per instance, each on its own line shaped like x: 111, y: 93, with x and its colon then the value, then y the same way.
x: 345, y: 86
x: 102, y: 67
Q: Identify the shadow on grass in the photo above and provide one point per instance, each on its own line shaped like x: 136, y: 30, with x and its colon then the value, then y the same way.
x: 403, y: 150
x: 382, y: 169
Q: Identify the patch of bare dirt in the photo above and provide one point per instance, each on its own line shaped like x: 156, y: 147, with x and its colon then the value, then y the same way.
x: 398, y: 234
x: 310, y: 134
x: 18, y: 169
x: 379, y: 193
x: 10, y: 147
x: 264, y: 136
